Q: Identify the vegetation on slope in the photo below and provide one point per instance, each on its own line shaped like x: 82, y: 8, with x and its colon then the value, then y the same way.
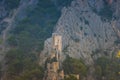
x: 71, y: 77
x: 106, y: 68
x: 22, y: 66
x: 27, y: 38
x: 106, y: 13
x: 74, y: 66
x: 11, y: 4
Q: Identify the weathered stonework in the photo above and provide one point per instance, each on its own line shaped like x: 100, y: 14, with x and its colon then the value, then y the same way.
x: 54, y: 70
x: 57, y: 42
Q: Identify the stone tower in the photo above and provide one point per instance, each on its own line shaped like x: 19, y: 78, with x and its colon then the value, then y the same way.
x: 54, y: 70
x: 57, y: 45
x: 57, y: 42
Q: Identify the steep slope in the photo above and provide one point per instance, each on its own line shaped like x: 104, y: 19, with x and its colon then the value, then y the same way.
x: 24, y: 25
x: 7, y: 16
x: 88, y: 29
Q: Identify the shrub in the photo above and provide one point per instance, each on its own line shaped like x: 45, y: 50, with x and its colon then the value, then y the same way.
x: 70, y: 77
x: 22, y: 65
x: 116, y: 42
x: 86, y: 22
x: 106, y: 12
x: 74, y: 66
x: 81, y: 28
x: 107, y: 68
x: 12, y: 3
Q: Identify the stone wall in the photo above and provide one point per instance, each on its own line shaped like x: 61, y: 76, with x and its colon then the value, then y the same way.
x: 57, y: 42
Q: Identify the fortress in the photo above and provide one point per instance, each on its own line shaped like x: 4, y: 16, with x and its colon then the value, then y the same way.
x: 53, y: 64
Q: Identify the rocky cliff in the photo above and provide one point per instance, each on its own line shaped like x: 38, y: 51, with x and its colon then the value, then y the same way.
x: 89, y: 29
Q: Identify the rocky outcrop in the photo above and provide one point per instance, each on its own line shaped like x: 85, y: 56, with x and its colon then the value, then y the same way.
x: 84, y: 32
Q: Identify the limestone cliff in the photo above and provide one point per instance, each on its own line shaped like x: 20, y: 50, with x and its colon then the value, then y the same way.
x: 89, y: 28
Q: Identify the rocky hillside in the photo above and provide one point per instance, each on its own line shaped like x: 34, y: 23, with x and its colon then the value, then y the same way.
x: 24, y: 26
x: 90, y: 29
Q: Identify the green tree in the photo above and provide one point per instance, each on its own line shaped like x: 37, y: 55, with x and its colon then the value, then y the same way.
x: 108, y: 68
x: 12, y: 3
x: 74, y: 66
x: 70, y: 77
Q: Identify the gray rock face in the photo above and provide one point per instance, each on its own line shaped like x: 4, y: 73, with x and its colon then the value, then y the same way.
x: 83, y: 31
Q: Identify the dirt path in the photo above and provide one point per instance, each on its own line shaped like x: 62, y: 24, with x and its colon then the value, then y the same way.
x: 5, y: 32
x: 10, y: 22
